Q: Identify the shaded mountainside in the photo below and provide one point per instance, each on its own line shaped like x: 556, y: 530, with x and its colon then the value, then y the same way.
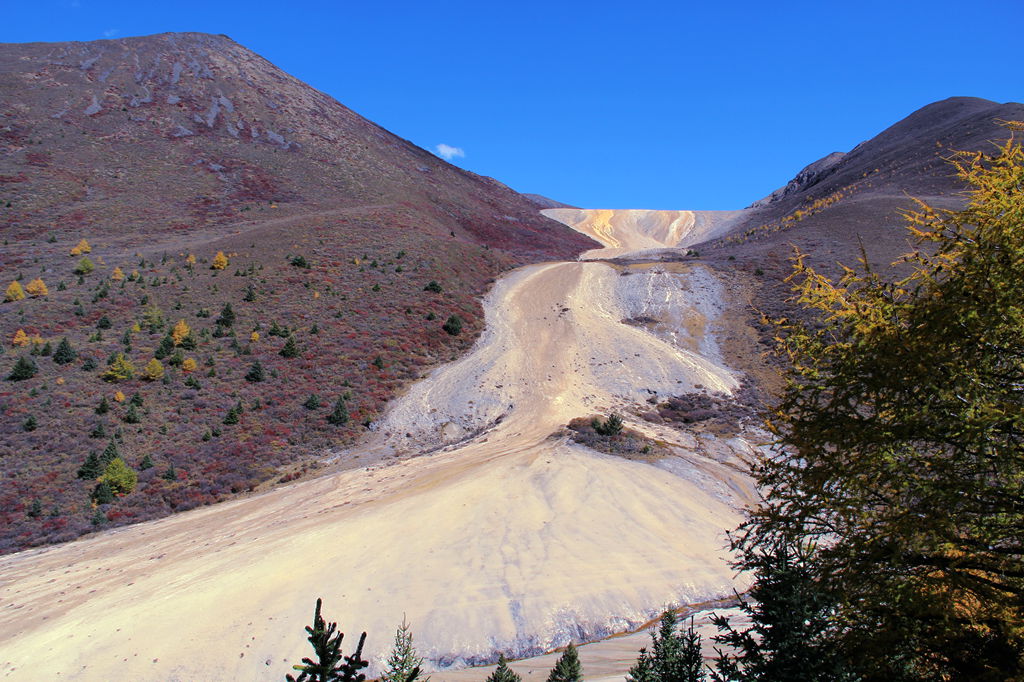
x: 843, y: 203
x: 161, y: 152
x: 847, y: 198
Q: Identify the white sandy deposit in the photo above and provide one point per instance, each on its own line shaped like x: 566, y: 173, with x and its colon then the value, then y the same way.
x: 633, y: 231
x: 510, y: 540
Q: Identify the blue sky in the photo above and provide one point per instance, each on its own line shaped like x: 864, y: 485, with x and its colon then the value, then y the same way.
x: 631, y: 104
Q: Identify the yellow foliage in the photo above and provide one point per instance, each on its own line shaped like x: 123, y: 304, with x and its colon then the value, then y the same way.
x: 220, y: 261
x: 254, y: 337
x: 190, y: 260
x: 60, y: 381
x: 118, y: 397
x: 80, y: 248
x: 134, y: 276
x: 20, y: 338
x: 14, y: 292
x: 188, y: 365
x: 37, y: 287
x: 75, y: 251
x: 154, y: 370
x: 316, y: 294
x: 117, y: 275
x: 180, y: 332
x: 121, y: 369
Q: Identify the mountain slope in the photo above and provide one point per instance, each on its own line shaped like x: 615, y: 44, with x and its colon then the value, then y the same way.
x: 847, y: 205
x: 839, y: 201
x: 161, y: 152
x: 178, y: 131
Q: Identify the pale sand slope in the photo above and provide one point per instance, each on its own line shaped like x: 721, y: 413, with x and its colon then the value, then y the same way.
x: 555, y: 348
x: 632, y: 231
x: 512, y: 541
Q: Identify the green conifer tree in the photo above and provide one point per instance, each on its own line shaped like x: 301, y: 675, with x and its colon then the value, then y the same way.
x: 567, y: 668
x: 91, y: 468
x: 233, y: 414
x: 331, y: 665
x: 165, y: 348
x: 256, y: 373
x: 404, y: 664
x: 64, y: 354
x: 503, y: 673
x: 102, y: 493
x: 290, y: 348
x: 227, y: 316
x: 110, y: 453
x: 339, y: 417
x: 24, y: 368
x: 453, y: 325
x: 674, y: 656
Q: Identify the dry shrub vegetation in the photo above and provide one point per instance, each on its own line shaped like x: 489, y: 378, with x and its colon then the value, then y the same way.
x: 347, y: 294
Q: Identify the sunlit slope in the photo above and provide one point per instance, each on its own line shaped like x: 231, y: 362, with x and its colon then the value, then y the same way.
x: 623, y: 231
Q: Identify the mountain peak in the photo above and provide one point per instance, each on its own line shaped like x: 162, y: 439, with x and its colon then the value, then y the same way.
x: 207, y: 127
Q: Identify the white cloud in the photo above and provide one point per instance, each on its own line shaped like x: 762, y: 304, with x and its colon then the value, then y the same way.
x: 110, y: 33
x: 448, y: 152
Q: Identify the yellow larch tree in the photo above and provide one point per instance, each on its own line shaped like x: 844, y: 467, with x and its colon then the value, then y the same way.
x: 220, y: 261
x: 14, y: 292
x: 180, y: 332
x: 80, y: 248
x: 188, y: 365
x: 20, y: 338
x: 117, y: 275
x: 154, y: 370
x: 37, y: 287
x: 121, y: 369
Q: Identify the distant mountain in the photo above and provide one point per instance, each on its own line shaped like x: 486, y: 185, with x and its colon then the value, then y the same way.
x: 544, y: 202
x: 174, y: 132
x: 848, y: 197
x: 353, y: 262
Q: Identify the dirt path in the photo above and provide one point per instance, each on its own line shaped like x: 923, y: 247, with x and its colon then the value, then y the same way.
x: 509, y: 540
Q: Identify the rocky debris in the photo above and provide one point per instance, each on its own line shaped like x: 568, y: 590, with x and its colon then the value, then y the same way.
x: 809, y: 176
x: 146, y: 98
x: 93, y: 108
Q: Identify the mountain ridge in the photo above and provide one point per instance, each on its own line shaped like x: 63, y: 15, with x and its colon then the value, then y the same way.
x: 232, y: 129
